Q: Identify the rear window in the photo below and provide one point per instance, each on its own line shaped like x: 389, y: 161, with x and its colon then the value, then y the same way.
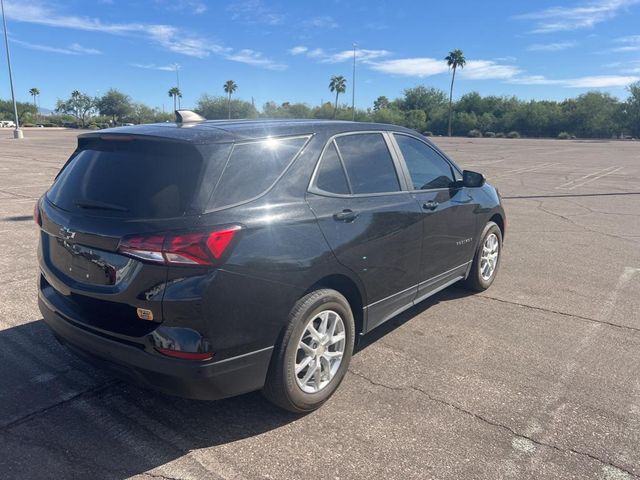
x: 253, y: 168
x: 159, y: 179
x: 137, y: 178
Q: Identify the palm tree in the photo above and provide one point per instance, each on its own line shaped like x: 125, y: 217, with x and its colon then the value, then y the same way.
x: 175, y: 93
x: 338, y: 84
x: 34, y: 92
x: 229, y: 87
x: 454, y: 60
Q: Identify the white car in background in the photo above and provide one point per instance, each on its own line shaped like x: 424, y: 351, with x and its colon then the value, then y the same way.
x: 7, y: 124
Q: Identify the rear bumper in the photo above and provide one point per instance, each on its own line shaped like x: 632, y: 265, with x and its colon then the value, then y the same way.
x: 209, y: 380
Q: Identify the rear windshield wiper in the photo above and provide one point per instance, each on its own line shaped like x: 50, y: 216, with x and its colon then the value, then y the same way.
x: 94, y: 205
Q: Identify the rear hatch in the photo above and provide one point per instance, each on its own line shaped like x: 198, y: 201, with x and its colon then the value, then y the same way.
x: 117, y: 187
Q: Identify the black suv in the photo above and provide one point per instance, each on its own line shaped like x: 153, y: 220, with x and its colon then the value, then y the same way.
x: 212, y: 258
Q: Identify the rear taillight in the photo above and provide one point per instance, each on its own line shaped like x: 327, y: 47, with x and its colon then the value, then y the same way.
x: 199, y: 248
x: 36, y: 214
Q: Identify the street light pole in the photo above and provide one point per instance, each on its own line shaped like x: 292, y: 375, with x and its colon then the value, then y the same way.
x: 17, y: 132
x: 178, y: 83
x: 353, y: 86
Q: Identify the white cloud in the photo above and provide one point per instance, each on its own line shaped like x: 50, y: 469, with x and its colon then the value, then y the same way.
x: 298, y: 50
x: 601, y: 81
x: 550, y: 47
x: 324, y: 21
x: 189, y: 6
x: 411, y: 67
x: 254, y: 12
x: 73, y: 49
x: 362, y: 54
x: 488, y: 70
x: 251, y: 57
x: 595, y: 81
x: 168, y: 37
x: 630, y: 43
x: 153, y: 66
x: 556, y: 19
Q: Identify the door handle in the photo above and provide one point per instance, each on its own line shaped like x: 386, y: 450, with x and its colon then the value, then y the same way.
x: 430, y: 205
x: 346, y: 215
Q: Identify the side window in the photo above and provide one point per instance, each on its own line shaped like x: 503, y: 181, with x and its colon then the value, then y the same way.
x: 368, y: 163
x: 253, y: 167
x: 331, y: 176
x: 426, y: 167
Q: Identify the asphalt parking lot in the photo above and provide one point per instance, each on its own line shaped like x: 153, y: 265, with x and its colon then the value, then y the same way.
x: 538, y: 377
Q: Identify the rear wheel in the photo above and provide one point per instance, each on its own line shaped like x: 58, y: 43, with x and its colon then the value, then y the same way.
x: 486, y: 260
x: 314, y: 353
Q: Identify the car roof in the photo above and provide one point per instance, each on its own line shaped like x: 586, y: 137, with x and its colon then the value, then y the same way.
x: 221, y: 131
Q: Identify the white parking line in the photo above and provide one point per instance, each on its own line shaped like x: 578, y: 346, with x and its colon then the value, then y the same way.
x: 585, y: 177
x: 517, y: 171
x: 594, y: 178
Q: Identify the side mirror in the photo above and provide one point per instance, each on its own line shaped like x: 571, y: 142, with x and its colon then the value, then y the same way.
x: 472, y: 179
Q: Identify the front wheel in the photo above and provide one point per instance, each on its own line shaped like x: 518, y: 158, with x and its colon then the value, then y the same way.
x: 486, y: 260
x: 314, y: 353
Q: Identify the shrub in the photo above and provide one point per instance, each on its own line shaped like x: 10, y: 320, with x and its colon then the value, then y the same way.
x: 489, y: 134
x: 428, y: 133
x: 513, y: 134
x: 27, y: 125
x: 564, y: 136
x: 499, y: 135
x: 475, y: 133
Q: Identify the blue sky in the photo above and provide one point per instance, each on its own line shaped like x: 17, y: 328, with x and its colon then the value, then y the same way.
x: 288, y: 50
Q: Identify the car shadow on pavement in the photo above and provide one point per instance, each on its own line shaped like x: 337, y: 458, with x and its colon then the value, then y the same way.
x: 60, y: 417
x: 451, y: 293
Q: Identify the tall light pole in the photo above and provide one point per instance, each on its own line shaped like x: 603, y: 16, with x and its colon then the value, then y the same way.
x: 178, y: 82
x: 17, y: 133
x: 353, y: 86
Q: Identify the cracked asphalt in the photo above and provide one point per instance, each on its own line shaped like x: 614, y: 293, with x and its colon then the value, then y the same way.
x: 538, y: 377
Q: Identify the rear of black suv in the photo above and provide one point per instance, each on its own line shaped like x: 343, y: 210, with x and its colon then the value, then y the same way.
x: 142, y: 268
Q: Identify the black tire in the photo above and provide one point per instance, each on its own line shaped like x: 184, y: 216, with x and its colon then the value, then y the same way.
x: 281, y: 386
x: 475, y: 281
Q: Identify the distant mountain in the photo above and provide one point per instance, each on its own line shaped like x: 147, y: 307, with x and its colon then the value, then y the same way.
x: 45, y: 112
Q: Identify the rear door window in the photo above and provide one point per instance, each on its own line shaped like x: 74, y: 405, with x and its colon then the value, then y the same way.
x: 253, y: 168
x: 331, y: 177
x: 368, y: 162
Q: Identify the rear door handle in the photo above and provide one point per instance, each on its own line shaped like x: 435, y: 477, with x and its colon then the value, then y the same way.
x: 430, y: 205
x: 345, y: 215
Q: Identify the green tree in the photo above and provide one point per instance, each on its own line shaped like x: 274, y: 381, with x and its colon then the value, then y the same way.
x: 416, y: 119
x: 632, y: 110
x: 454, y: 60
x: 380, y: 103
x: 114, y: 104
x: 338, y: 84
x: 175, y: 93
x: 34, y: 92
x: 229, y: 88
x: 217, y: 107
x: 80, y: 106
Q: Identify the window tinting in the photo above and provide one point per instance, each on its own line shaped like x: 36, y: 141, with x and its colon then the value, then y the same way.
x: 138, y: 179
x: 331, y: 177
x: 368, y: 162
x: 253, y: 167
x: 426, y: 167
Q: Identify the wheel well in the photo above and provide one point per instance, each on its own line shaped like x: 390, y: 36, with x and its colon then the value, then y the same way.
x: 497, y: 218
x: 349, y: 289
